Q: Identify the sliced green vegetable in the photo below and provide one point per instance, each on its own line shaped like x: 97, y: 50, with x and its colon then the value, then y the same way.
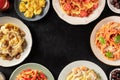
x: 117, y: 39
x: 102, y: 40
x: 109, y: 54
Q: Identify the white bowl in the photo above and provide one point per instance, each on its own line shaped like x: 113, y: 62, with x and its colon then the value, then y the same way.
x: 114, y: 9
x: 91, y: 65
x: 95, y: 49
x: 28, y: 38
x: 77, y: 20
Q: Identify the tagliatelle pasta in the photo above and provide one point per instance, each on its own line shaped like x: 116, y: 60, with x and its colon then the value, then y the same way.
x: 108, y: 40
x: 83, y: 73
x: 12, y: 41
x: 31, y: 74
x: 79, y: 8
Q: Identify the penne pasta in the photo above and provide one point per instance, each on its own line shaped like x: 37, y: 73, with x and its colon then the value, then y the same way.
x: 30, y: 74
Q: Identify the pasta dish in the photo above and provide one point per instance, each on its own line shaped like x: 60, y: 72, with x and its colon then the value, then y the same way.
x: 32, y: 8
x: 12, y: 42
x: 83, y: 73
x: 30, y: 74
x: 108, y: 40
x: 78, y: 8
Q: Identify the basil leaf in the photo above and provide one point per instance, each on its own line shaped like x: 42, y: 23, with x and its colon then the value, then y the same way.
x: 117, y: 39
x: 109, y: 54
x: 102, y: 40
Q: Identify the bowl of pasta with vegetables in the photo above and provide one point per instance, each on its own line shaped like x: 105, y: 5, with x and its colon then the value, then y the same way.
x: 32, y: 10
x: 105, y: 40
x: 78, y: 12
x: 15, y: 41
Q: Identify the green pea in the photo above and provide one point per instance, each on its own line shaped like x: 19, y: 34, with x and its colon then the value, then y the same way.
x: 117, y: 39
x: 102, y: 40
x: 109, y: 54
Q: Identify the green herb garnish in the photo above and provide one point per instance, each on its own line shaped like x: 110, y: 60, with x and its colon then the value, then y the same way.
x: 109, y: 54
x: 102, y: 40
x: 117, y: 39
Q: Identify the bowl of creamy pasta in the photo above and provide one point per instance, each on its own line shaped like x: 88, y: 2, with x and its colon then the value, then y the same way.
x: 15, y: 41
x: 31, y: 10
x: 82, y: 70
x: 105, y: 40
x: 78, y: 12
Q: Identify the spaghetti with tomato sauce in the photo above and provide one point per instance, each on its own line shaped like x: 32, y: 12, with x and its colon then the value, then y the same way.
x: 78, y: 8
x: 30, y: 74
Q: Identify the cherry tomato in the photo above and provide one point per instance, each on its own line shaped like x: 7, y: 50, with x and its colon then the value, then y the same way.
x: 67, y: 7
x: 83, y: 13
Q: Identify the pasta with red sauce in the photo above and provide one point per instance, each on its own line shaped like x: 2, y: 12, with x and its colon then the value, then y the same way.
x: 108, y: 40
x: 78, y: 8
x: 31, y: 74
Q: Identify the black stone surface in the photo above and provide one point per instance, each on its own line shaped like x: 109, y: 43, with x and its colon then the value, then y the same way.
x: 57, y: 43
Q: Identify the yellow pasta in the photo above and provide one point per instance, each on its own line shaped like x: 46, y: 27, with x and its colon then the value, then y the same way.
x: 108, y: 40
x: 22, y: 7
x: 37, y: 12
x: 28, y: 14
x: 32, y: 8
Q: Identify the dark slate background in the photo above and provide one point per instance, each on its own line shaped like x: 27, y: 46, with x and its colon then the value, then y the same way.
x: 57, y: 43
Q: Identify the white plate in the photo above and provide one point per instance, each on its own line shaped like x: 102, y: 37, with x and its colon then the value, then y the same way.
x: 77, y: 20
x: 94, y: 48
x: 88, y: 64
x: 32, y: 66
x: 114, y: 9
x: 28, y: 38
